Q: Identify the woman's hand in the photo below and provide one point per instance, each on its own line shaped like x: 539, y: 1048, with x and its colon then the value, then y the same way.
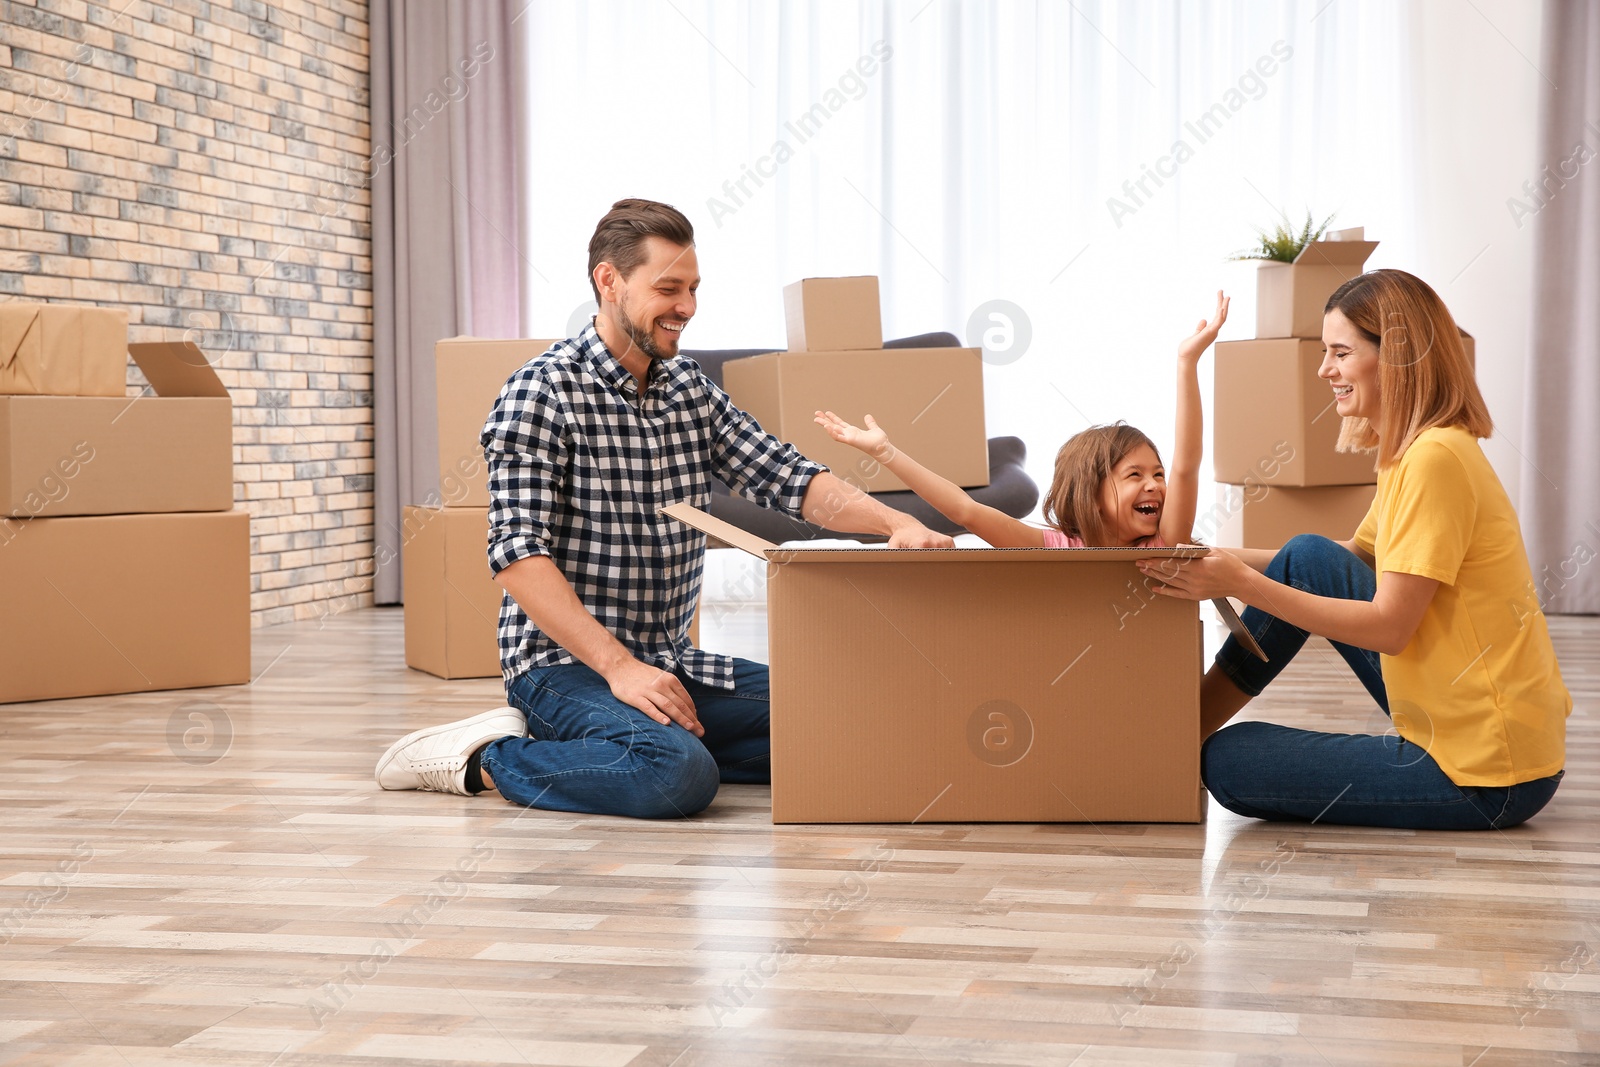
x: 1194, y: 346
x: 1218, y: 573
x: 873, y: 441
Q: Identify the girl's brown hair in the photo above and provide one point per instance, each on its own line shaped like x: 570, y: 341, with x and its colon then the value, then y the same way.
x: 1087, y: 459
x: 1424, y: 379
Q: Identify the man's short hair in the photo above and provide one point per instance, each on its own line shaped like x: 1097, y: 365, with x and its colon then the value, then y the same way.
x: 619, y: 239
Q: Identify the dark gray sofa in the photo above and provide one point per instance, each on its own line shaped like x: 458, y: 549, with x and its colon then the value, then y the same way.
x: 1009, y: 490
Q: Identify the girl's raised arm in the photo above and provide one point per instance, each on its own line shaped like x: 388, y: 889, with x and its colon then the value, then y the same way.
x: 1183, y: 473
x: 947, y: 498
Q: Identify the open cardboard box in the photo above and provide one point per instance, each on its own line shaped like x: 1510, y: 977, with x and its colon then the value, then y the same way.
x: 1290, y: 296
x: 976, y: 685
x: 95, y: 455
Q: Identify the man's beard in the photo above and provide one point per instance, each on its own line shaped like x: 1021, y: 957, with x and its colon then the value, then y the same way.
x: 640, y: 338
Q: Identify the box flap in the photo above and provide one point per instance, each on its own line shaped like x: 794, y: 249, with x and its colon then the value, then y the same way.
x: 15, y: 322
x: 1349, y: 233
x: 177, y: 368
x: 690, y: 515
x: 1336, y: 253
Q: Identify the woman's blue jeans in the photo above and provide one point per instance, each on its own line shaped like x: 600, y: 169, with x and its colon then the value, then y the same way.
x: 589, y: 752
x: 1267, y: 771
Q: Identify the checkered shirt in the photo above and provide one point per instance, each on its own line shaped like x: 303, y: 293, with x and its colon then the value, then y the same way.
x: 580, y: 465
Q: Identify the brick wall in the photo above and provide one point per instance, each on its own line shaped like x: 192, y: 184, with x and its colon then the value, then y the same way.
x: 205, y: 166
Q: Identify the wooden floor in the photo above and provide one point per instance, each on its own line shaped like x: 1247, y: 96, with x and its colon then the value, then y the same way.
x: 211, y: 877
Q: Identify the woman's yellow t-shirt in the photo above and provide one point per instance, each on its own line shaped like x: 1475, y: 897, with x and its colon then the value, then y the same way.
x: 1478, y: 686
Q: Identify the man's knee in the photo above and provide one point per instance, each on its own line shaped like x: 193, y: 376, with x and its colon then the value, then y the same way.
x: 679, y: 780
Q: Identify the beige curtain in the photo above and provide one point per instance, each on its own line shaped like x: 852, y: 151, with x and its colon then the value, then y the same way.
x: 446, y: 129
x: 1560, y: 506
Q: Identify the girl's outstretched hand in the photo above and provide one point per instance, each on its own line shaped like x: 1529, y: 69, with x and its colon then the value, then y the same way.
x: 873, y: 441
x: 1196, y: 343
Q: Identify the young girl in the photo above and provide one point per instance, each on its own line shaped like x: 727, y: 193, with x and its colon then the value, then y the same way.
x: 1110, y: 489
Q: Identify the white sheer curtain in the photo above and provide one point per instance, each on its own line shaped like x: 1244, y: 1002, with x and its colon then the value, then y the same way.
x: 967, y: 152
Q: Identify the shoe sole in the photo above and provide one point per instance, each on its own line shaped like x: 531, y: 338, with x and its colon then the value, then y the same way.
x: 417, y: 735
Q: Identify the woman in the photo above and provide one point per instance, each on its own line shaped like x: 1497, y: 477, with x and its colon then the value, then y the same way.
x: 1431, y: 603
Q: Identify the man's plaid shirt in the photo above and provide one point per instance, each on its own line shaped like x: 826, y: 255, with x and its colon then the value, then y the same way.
x: 580, y: 465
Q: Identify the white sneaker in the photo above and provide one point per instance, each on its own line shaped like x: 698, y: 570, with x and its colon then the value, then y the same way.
x: 436, y: 758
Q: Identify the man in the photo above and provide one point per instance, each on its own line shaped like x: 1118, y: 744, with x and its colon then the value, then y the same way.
x: 614, y: 712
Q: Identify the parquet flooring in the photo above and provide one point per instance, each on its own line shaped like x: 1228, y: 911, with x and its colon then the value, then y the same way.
x: 211, y: 877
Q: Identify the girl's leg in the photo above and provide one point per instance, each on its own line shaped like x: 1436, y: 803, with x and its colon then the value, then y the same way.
x: 1266, y: 771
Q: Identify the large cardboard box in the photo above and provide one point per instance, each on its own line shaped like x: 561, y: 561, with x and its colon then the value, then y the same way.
x: 94, y: 455
x: 976, y: 685
x: 63, y: 350
x: 1290, y: 296
x: 1275, y: 420
x: 123, y: 604
x: 929, y: 401
x: 833, y: 314
x: 469, y: 372
x: 1261, y: 516
x: 452, y: 602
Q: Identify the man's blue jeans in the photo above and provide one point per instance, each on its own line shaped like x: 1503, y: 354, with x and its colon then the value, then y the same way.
x: 1267, y: 771
x: 589, y: 752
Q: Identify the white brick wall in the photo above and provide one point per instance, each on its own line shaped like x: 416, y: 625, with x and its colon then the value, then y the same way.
x: 205, y: 166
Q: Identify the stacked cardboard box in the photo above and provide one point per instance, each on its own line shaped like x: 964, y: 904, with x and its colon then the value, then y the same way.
x: 1273, y: 451
x: 452, y: 603
x: 123, y: 567
x: 1274, y: 455
x: 928, y: 400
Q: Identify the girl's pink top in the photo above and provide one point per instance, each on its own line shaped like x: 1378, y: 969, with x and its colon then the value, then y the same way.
x: 1054, y: 538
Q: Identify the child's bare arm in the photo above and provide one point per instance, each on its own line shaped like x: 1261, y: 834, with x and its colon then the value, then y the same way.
x: 995, y: 527
x: 1183, y: 473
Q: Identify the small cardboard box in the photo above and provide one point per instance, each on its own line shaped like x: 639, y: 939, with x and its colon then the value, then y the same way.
x: 469, y: 372
x: 452, y: 602
x: 63, y: 350
x: 1275, y: 419
x: 976, y: 685
x: 123, y: 604
x: 833, y: 314
x: 95, y: 455
x: 1290, y: 296
x: 1261, y: 516
x: 928, y: 400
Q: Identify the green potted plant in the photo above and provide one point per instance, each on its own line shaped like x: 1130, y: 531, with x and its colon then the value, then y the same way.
x: 1299, y: 267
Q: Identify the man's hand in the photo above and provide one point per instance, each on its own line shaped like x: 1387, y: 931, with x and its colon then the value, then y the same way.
x: 656, y: 693
x: 917, y: 535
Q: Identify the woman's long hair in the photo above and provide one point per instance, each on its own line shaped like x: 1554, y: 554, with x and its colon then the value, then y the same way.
x: 1087, y: 459
x: 1424, y: 379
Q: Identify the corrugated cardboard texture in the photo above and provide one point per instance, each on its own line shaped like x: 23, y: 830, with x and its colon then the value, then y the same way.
x: 86, y: 455
x: 833, y: 314
x: 979, y: 687
x: 123, y: 604
x: 469, y: 374
x: 83, y: 455
x: 1264, y: 517
x: 1275, y: 420
x: 62, y: 350
x: 929, y: 401
x: 452, y: 603
x: 1290, y: 296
